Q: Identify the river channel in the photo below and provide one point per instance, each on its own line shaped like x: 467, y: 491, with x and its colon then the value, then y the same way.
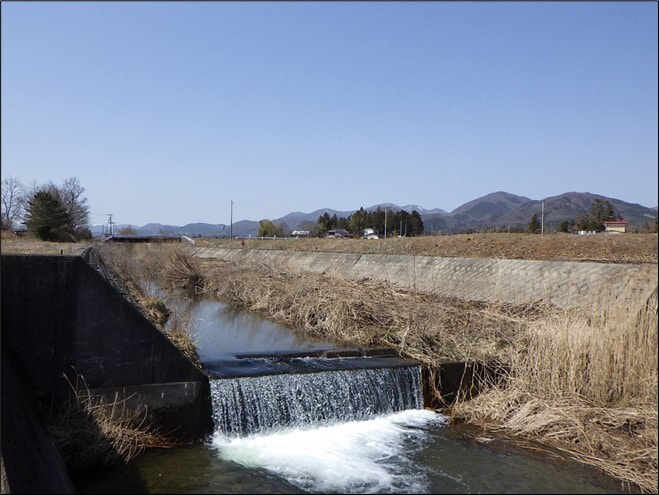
x: 401, y: 451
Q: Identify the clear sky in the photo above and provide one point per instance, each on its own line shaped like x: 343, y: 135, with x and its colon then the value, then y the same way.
x: 167, y: 112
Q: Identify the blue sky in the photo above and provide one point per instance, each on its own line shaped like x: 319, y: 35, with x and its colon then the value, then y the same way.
x: 167, y: 112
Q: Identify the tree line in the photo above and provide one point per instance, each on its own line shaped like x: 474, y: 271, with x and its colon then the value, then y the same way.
x: 381, y: 221
x: 49, y: 211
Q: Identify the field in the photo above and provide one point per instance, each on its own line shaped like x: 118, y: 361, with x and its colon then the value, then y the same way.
x: 605, y: 248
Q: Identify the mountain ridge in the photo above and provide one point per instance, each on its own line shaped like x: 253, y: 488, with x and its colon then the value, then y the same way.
x: 495, y: 210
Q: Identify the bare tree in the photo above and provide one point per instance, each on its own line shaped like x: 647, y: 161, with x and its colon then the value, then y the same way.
x: 75, y: 204
x: 127, y: 230
x: 13, y: 202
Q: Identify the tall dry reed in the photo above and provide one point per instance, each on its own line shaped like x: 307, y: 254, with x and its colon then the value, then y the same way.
x: 425, y: 326
x: 587, y: 384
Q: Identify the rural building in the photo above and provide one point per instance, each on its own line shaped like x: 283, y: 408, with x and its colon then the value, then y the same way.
x: 615, y: 226
x: 332, y: 233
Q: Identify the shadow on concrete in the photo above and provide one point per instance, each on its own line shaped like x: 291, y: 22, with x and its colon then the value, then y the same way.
x: 62, y: 318
x: 465, y: 380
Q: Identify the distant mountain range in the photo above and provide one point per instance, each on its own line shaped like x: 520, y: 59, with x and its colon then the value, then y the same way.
x: 498, y: 210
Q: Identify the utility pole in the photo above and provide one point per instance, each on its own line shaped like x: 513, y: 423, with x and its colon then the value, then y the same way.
x: 385, y: 222
x: 231, y: 227
x: 542, y: 223
x: 109, y: 230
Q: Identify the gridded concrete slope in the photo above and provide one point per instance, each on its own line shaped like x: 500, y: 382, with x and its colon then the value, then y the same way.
x: 565, y: 284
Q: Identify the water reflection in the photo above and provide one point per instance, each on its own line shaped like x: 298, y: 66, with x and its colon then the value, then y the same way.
x: 221, y: 332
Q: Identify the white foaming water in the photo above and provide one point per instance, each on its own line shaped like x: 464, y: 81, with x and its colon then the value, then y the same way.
x: 249, y: 405
x: 370, y: 456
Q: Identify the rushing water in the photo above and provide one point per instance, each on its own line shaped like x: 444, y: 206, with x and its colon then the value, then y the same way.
x: 374, y: 456
x: 329, y: 431
x: 249, y: 405
x: 412, y: 451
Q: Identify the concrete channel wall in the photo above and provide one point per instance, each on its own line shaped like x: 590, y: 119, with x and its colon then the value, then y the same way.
x: 62, y: 318
x: 565, y: 284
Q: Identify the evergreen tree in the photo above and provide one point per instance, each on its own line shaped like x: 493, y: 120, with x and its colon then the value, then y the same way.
x: 416, y: 224
x: 324, y: 224
x: 343, y: 223
x: 534, y: 224
x: 358, y: 222
x: 565, y: 226
x: 48, y: 219
x: 600, y: 211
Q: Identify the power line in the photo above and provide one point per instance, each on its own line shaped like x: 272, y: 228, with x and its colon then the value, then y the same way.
x: 108, y: 229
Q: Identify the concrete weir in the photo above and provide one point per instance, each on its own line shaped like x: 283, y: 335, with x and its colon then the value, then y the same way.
x: 62, y: 318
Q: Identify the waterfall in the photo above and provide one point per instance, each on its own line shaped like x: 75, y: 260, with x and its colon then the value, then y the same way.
x: 246, y: 405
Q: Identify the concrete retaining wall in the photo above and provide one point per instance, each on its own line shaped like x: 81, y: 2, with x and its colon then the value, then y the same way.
x: 61, y: 317
x: 31, y: 463
x: 565, y: 284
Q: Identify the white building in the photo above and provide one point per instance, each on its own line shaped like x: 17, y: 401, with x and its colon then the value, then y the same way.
x: 615, y: 226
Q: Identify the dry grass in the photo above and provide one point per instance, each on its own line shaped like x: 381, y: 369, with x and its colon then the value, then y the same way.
x: 179, y: 333
x: 586, y: 385
x: 182, y: 271
x: 428, y: 327
x: 90, y: 432
x: 11, y: 243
